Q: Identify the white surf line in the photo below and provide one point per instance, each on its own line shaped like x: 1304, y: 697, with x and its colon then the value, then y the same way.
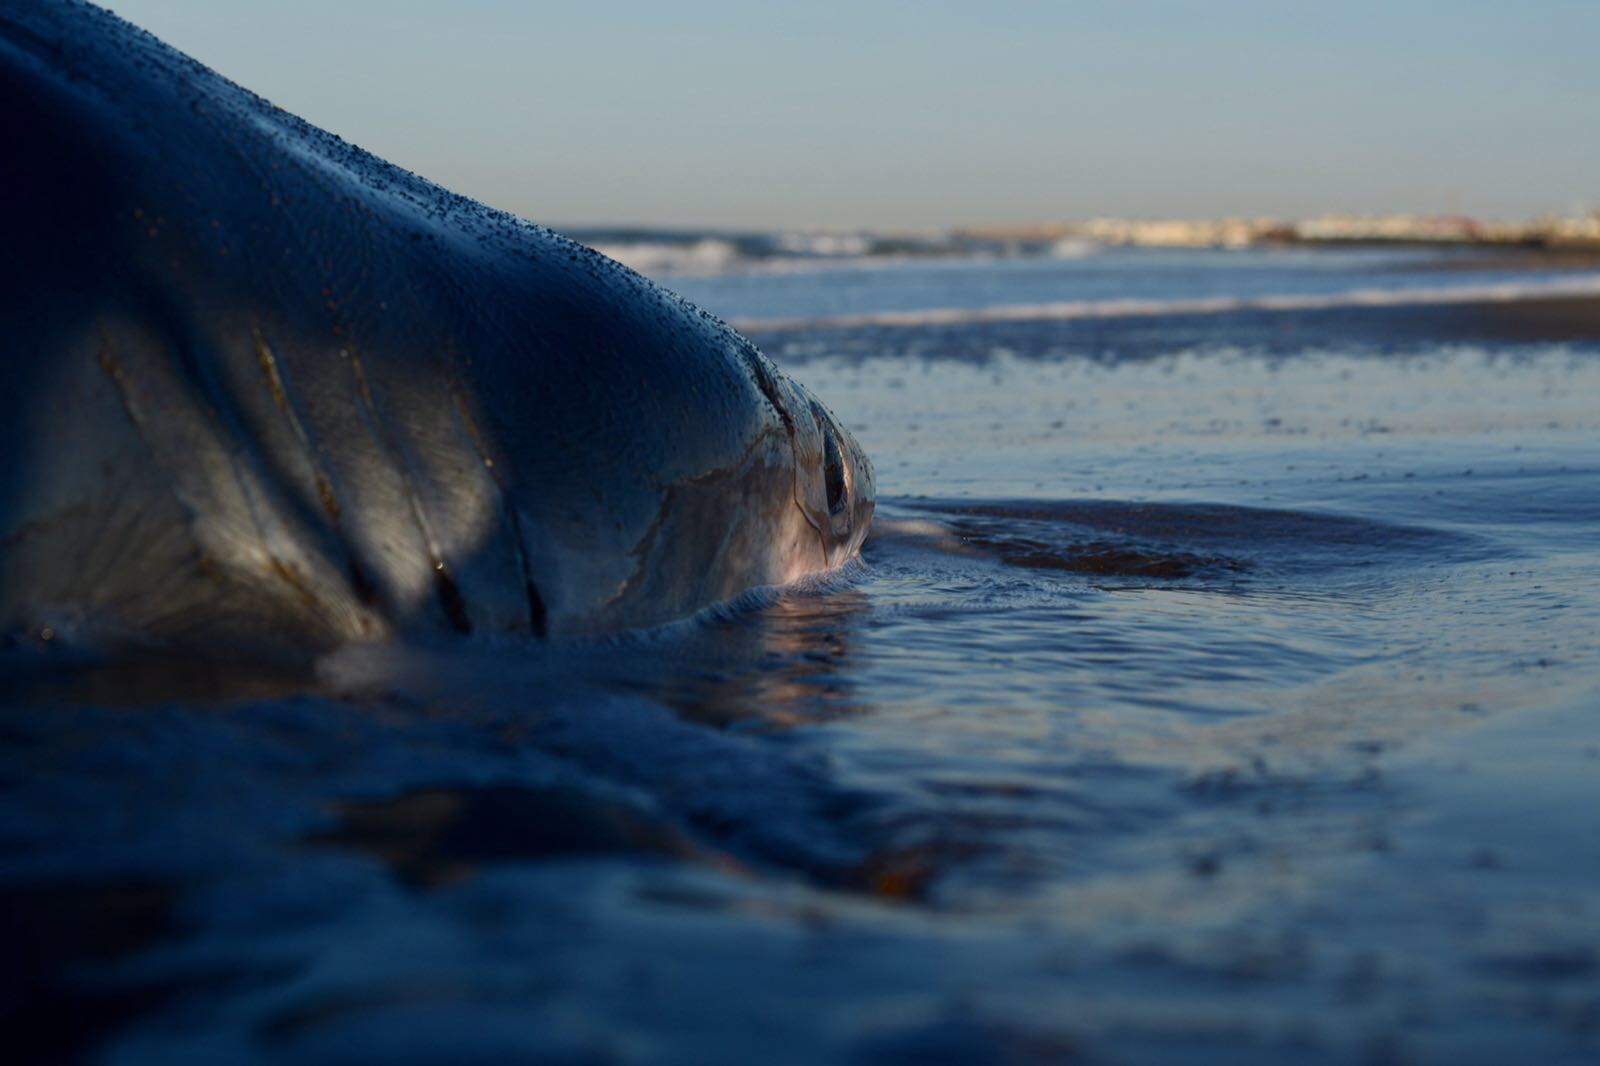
x: 1506, y: 292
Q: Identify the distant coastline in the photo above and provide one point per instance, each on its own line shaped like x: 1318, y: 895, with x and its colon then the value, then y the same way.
x: 1549, y: 242
x: 1549, y: 232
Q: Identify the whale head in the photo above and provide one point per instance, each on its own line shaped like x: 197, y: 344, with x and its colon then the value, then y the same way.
x: 266, y: 391
x: 766, y: 488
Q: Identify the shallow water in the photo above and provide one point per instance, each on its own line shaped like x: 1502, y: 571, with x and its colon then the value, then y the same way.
x: 1214, y: 687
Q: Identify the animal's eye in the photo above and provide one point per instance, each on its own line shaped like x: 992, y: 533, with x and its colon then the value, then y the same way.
x: 832, y: 473
x: 832, y: 461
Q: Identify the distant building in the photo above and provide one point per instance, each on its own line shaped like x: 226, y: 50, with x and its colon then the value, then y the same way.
x: 1422, y: 228
x: 1181, y: 233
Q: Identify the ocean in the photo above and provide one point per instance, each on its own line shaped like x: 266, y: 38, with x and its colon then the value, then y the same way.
x: 1220, y: 683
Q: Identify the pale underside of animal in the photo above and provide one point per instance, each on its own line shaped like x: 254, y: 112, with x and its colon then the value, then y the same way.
x: 260, y: 388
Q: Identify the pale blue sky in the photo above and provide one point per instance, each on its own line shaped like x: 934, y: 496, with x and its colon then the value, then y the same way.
x: 931, y: 114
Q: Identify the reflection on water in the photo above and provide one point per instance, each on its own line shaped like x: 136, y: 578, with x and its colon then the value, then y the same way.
x: 788, y: 663
x: 1207, y: 702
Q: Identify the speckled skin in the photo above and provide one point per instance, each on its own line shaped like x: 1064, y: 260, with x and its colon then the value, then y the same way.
x: 260, y: 387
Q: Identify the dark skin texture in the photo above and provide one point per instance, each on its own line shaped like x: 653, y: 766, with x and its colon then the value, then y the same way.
x: 259, y: 387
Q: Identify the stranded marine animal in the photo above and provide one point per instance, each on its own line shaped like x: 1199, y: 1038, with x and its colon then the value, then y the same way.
x: 259, y: 387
